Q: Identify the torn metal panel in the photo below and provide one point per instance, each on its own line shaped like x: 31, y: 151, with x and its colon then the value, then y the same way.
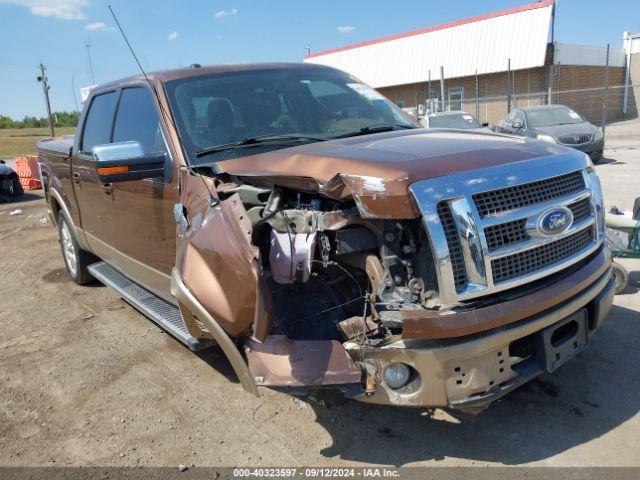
x: 355, y: 327
x: 282, y: 362
x: 215, y: 257
x: 375, y: 197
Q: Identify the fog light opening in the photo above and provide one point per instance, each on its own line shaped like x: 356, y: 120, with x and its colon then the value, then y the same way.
x: 397, y: 375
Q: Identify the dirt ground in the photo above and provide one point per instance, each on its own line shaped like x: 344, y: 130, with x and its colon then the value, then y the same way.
x: 87, y: 380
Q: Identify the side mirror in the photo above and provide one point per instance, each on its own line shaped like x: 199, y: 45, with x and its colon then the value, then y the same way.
x: 126, y: 162
x: 485, y: 124
x: 517, y: 125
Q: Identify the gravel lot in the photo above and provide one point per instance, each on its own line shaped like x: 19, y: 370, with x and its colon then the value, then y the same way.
x: 86, y: 380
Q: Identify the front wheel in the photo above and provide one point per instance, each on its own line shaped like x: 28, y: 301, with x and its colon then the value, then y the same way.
x: 75, y: 259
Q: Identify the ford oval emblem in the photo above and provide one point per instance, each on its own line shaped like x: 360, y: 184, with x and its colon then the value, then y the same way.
x: 555, y: 221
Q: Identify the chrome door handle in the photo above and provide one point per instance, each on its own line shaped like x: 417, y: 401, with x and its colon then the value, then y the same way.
x: 75, y: 176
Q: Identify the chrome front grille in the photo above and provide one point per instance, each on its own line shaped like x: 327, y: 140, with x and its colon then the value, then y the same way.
x: 576, y: 139
x: 504, y: 234
x: 485, y: 226
x: 529, y: 261
x: 453, y: 242
x: 519, y: 196
x: 581, y: 209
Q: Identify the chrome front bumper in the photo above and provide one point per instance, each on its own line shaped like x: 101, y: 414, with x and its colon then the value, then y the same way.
x: 471, y: 372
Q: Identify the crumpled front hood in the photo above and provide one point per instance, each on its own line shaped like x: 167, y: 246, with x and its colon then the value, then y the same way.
x: 377, y: 169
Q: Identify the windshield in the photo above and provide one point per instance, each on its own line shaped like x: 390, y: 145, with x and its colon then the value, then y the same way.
x: 454, y: 120
x: 221, y: 109
x: 546, y: 117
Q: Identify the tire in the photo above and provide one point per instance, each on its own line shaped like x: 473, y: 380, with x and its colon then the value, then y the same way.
x: 18, y: 191
x: 622, y: 277
x: 75, y: 259
x: 12, y: 189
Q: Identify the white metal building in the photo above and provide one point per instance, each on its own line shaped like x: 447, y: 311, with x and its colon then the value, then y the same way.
x: 502, y: 53
x: 483, y: 44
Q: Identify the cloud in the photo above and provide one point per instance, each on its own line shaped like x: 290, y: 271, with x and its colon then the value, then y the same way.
x: 97, y: 26
x: 225, y: 13
x: 219, y: 37
x: 59, y: 9
x: 346, y: 29
x: 172, y: 36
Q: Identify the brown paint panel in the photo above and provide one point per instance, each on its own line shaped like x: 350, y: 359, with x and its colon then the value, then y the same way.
x: 378, y: 169
x: 283, y: 362
x: 215, y: 258
x: 420, y: 325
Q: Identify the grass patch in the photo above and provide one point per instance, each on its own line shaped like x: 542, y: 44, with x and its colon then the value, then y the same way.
x: 22, y: 141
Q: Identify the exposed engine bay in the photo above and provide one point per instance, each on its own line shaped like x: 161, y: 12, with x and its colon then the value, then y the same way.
x: 331, y: 274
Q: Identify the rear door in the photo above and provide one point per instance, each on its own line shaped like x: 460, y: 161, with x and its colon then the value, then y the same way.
x: 91, y: 197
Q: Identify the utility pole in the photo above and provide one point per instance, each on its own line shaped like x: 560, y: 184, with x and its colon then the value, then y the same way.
x: 42, y: 78
x: 87, y: 44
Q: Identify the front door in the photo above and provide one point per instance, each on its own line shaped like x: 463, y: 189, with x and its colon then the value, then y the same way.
x: 132, y: 225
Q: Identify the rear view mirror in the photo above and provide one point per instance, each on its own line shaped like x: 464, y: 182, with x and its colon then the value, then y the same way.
x: 485, y: 124
x: 126, y: 162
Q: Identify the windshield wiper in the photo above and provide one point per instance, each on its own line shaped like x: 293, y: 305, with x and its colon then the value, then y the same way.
x: 258, y: 141
x: 376, y: 128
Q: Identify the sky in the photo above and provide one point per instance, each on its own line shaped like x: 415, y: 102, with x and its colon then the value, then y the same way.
x: 174, y: 33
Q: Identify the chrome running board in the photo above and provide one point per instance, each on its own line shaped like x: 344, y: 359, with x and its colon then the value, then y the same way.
x: 163, y: 313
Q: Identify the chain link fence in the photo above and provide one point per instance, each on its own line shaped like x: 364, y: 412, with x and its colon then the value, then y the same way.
x: 606, y: 94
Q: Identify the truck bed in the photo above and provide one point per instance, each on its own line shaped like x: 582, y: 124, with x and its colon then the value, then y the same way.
x: 57, y: 145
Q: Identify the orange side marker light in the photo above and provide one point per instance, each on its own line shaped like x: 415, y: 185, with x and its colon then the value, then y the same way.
x: 112, y: 170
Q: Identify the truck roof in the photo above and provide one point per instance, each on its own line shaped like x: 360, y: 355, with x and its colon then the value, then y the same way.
x: 174, y: 74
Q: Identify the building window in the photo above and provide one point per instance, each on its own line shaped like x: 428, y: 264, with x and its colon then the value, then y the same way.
x: 400, y: 103
x: 455, y: 98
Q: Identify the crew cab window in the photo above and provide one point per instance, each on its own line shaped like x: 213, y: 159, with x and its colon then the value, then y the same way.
x: 137, y: 120
x: 97, y: 127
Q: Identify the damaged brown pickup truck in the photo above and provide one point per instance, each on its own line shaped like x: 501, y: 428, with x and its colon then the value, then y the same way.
x: 296, y: 218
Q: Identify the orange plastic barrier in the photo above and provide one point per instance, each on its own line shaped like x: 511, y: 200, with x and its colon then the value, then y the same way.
x: 29, y: 172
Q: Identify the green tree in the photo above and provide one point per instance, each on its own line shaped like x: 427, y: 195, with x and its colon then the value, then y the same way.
x: 61, y: 119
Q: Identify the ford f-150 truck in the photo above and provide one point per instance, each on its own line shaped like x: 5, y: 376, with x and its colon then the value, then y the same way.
x: 296, y: 218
